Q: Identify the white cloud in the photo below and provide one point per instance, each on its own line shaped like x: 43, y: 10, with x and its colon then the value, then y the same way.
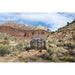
x: 55, y: 20
x: 8, y: 17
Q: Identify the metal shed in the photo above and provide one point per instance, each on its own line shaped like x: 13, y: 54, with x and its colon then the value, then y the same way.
x: 38, y: 43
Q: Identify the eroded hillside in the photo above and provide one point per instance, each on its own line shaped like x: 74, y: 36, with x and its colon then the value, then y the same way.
x: 64, y: 35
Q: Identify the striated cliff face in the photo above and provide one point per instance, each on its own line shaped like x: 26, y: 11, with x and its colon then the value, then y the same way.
x: 21, y: 31
x: 23, y: 27
x: 36, y: 33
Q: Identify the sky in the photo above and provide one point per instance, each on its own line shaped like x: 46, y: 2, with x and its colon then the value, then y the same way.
x: 52, y: 20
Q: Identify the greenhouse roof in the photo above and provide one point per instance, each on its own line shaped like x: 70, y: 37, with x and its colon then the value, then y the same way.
x: 37, y: 38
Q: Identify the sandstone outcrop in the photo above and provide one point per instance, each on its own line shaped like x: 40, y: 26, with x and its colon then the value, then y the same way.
x: 41, y: 27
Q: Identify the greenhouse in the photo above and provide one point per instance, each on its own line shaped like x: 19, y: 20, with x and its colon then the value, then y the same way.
x: 38, y: 43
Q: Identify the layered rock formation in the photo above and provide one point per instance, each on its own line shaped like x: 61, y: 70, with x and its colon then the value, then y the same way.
x: 24, y: 32
x: 23, y: 27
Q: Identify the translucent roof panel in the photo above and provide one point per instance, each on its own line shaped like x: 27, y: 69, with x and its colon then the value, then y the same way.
x: 37, y: 38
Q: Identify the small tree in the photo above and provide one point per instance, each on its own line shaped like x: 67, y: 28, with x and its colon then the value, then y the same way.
x: 67, y: 23
x: 73, y: 20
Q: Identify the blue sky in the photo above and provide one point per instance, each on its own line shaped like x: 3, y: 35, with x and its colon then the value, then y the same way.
x: 52, y: 21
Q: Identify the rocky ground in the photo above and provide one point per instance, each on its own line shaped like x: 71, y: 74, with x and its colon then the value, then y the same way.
x: 25, y: 56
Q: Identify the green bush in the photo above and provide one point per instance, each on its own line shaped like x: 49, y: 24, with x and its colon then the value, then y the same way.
x: 4, y: 49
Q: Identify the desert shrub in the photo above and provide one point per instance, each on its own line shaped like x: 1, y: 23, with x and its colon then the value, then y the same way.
x: 19, y: 47
x: 54, y: 54
x: 71, y: 52
x: 60, y: 51
x: 52, y: 32
x: 59, y: 54
x: 48, y: 55
x: 47, y: 36
x: 22, y: 59
x: 14, y: 48
x: 50, y: 51
x: 4, y: 49
x: 65, y: 53
x: 15, y: 38
x: 6, y: 38
x: 27, y: 48
x: 69, y: 59
x: 5, y: 42
x: 69, y: 46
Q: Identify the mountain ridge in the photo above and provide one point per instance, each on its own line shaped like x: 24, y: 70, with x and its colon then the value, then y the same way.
x: 24, y: 32
x: 23, y: 27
